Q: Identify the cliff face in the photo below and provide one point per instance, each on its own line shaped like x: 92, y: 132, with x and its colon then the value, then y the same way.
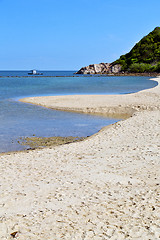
x: 101, y: 68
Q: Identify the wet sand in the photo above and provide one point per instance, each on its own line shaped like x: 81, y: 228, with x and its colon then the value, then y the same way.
x: 41, y: 142
x: 105, y: 187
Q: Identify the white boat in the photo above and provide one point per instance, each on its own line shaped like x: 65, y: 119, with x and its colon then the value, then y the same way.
x: 34, y: 72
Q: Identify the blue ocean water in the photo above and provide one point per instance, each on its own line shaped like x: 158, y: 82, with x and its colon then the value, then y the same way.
x: 45, y: 73
x: 23, y: 120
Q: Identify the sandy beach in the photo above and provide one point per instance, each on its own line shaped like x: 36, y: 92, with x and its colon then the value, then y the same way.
x: 105, y: 187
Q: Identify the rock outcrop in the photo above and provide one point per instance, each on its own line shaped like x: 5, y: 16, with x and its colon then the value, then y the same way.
x: 116, y: 68
x: 101, y: 68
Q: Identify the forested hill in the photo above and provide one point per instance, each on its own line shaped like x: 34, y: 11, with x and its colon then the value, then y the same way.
x: 144, y: 56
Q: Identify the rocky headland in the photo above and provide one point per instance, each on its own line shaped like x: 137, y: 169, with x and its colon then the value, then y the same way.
x: 101, y: 68
x: 143, y: 58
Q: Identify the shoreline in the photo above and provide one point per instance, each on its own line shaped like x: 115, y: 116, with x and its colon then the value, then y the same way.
x: 105, y: 187
x: 116, y: 106
x: 91, y: 75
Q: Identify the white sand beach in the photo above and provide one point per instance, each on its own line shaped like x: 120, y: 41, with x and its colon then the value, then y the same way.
x: 105, y: 187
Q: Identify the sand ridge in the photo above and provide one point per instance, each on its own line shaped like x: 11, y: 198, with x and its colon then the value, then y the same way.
x: 105, y: 187
x: 109, y: 105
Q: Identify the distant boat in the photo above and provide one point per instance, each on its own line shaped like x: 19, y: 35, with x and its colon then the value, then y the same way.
x: 34, y: 72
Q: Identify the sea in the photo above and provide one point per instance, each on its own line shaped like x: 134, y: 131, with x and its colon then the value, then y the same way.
x: 18, y: 120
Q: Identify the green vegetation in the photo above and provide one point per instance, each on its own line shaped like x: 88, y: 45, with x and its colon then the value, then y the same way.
x: 144, y: 56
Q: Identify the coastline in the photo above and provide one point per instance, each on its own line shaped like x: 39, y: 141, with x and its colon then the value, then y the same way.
x: 117, y: 106
x: 154, y: 74
x: 105, y: 187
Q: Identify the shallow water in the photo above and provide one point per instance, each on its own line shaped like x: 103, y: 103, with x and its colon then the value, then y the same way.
x: 23, y: 120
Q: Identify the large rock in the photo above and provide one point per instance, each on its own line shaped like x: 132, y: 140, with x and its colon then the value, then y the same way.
x: 116, y: 68
x: 101, y: 68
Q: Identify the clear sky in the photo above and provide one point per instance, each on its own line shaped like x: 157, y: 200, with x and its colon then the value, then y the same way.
x: 69, y: 34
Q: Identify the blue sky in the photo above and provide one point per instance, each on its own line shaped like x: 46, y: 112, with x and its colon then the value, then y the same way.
x: 69, y: 34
